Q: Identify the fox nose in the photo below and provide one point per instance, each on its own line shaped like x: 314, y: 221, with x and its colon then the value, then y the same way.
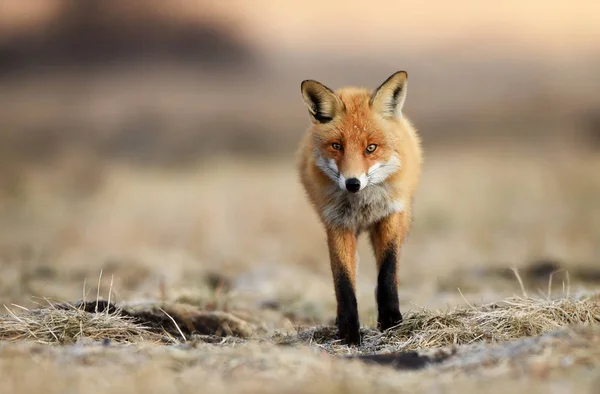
x: 353, y: 185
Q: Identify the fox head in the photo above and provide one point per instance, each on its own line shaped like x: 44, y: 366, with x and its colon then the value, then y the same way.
x: 355, y: 131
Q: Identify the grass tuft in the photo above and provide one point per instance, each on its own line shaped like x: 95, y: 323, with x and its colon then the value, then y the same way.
x: 69, y: 324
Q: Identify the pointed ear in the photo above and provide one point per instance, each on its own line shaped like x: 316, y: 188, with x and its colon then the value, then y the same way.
x: 389, y: 97
x: 323, y: 104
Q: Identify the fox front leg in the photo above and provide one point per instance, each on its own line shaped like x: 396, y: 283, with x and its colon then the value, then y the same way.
x: 387, y: 237
x: 342, y: 254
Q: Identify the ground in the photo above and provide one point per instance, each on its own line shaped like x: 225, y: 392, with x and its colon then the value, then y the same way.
x: 220, y: 280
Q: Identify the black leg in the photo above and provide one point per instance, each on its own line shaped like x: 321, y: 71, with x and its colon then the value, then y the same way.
x: 347, y: 310
x: 387, y: 291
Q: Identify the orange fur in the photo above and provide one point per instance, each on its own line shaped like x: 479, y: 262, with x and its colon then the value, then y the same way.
x: 335, y: 148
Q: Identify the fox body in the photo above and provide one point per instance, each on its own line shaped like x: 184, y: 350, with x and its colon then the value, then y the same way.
x: 359, y: 163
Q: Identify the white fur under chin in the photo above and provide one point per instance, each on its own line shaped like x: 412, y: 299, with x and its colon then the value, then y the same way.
x: 360, y: 210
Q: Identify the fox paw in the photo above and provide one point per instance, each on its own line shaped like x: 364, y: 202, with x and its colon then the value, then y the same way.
x: 388, y: 319
x: 349, y: 331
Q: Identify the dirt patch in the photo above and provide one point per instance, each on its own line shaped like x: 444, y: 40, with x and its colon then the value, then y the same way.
x: 403, y: 360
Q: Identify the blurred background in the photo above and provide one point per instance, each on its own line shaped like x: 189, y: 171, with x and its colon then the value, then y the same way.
x: 155, y: 141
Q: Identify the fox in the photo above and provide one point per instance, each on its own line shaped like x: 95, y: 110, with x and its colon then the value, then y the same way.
x: 359, y: 163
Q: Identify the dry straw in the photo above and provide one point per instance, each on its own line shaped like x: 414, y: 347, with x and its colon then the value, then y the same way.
x: 66, y: 325
x: 513, y: 318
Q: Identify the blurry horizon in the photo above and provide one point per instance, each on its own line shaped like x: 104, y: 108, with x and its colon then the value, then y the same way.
x: 542, y: 27
x: 195, y: 78
x: 96, y: 82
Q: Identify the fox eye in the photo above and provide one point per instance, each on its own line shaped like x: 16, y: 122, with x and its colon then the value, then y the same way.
x: 371, y: 148
x: 336, y: 146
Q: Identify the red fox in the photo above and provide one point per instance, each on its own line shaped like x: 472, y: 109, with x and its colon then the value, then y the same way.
x: 359, y: 163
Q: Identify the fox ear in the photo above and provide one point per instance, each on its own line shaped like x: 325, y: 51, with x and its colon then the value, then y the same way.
x: 323, y: 104
x: 389, y: 97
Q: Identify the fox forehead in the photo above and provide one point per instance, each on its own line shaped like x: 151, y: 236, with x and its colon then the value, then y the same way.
x: 357, y: 117
x: 355, y: 123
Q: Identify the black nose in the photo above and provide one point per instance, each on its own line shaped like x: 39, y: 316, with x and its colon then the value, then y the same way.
x: 353, y: 185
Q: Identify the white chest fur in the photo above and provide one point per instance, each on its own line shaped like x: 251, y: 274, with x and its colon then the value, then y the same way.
x: 360, y: 210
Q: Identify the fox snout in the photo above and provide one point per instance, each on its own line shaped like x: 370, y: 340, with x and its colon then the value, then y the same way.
x: 353, y: 185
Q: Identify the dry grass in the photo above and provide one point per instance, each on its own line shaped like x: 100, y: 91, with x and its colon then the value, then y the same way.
x: 510, y: 319
x: 503, y: 321
x: 62, y: 326
x: 535, y: 343
x: 99, y: 320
